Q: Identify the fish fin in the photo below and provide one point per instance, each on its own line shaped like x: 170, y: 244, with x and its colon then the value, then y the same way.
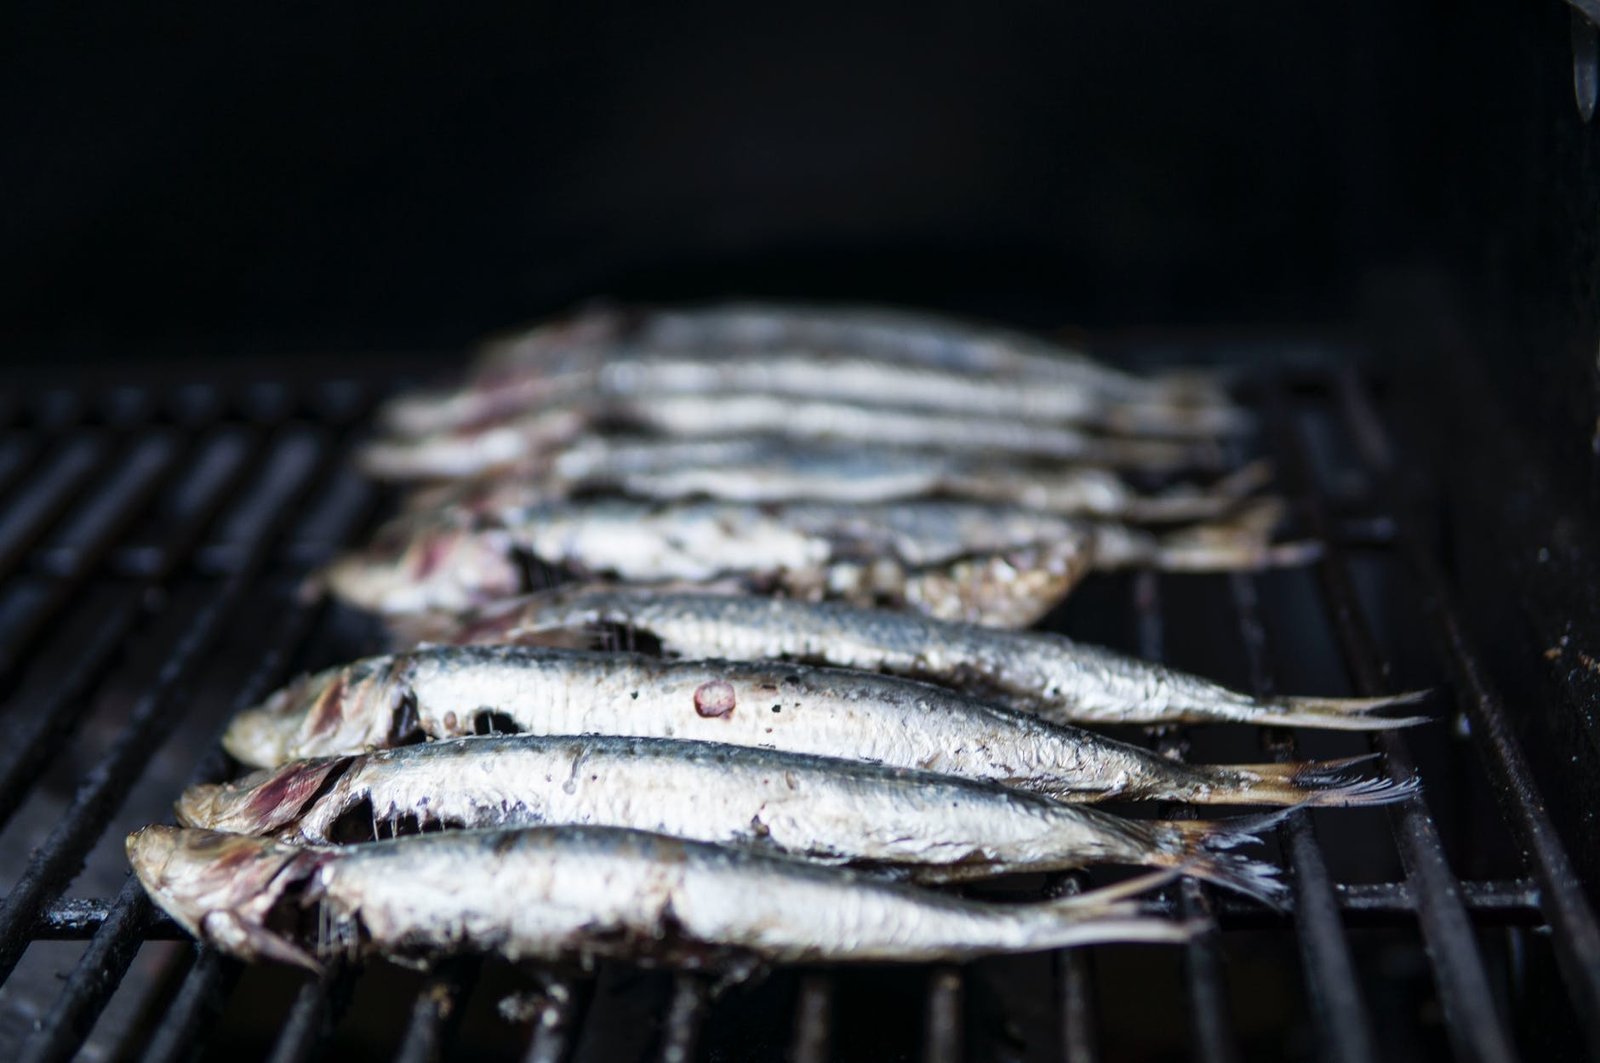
x: 1201, y: 848
x: 1319, y: 783
x: 1112, y: 895
x: 1189, y: 502
x: 1340, y: 714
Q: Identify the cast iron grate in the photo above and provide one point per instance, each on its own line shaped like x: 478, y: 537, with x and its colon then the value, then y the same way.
x: 151, y: 543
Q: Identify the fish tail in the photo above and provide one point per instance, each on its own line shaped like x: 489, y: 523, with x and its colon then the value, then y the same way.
x: 1109, y: 914
x: 1244, y: 541
x: 1202, y: 503
x: 1202, y: 849
x: 1320, y: 783
x: 1340, y: 714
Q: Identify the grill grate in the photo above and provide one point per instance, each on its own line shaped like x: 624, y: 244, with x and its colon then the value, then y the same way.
x: 151, y: 542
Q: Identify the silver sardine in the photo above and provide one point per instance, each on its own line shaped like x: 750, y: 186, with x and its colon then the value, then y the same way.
x: 933, y: 827
x: 585, y: 893
x: 997, y: 565
x: 1038, y: 672
x: 451, y: 692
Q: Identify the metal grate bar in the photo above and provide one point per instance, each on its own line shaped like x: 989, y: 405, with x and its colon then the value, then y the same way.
x: 436, y: 1010
x: 1202, y: 960
x: 99, y: 970
x: 58, y: 857
x: 557, y: 1019
x: 50, y: 492
x: 36, y: 741
x: 198, y: 1001
x: 942, y: 1026
x: 1344, y: 1027
x: 813, y: 1020
x: 1576, y: 937
x: 1474, y: 1025
x: 1075, y: 992
x: 117, y: 940
x: 308, y: 1019
x: 685, y: 1017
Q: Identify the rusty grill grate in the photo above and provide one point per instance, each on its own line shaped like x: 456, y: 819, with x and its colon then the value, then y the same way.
x: 151, y: 541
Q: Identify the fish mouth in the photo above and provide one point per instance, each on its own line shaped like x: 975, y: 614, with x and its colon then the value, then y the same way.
x: 226, y: 889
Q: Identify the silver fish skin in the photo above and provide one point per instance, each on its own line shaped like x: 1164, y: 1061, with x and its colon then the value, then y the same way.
x: 451, y: 692
x: 763, y: 469
x: 813, y: 376
x: 998, y: 565
x: 908, y: 336
x: 584, y: 893
x: 529, y: 437
x: 932, y: 827
x: 1042, y: 673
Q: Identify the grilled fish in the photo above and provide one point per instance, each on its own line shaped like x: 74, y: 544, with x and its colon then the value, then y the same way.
x: 1045, y: 674
x: 768, y: 470
x: 998, y: 565
x: 586, y: 893
x: 561, y: 360
x: 456, y: 691
x: 529, y: 436
x: 935, y: 827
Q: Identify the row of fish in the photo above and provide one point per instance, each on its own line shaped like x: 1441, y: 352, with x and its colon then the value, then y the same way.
x: 789, y: 697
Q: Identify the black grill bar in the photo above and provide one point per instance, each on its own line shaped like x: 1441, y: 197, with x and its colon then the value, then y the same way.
x: 686, y: 1014
x: 1499, y: 902
x: 1202, y: 961
x: 436, y: 1011
x: 813, y: 1020
x: 942, y: 1025
x: 1344, y: 1027
x: 1474, y: 1024
x: 104, y: 787
x: 199, y: 1000
x: 556, y: 1020
x: 1075, y: 988
x: 309, y: 1018
x: 1576, y: 937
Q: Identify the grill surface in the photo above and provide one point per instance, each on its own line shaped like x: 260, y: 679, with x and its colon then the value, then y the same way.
x: 151, y: 543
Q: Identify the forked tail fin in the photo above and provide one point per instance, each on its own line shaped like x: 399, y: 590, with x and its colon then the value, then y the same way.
x: 1317, y: 783
x: 1339, y: 714
x: 1203, y: 849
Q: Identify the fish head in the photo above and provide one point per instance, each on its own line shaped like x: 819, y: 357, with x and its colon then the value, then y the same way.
x: 225, y: 889
x: 262, y: 802
x: 433, y: 565
x: 365, y: 705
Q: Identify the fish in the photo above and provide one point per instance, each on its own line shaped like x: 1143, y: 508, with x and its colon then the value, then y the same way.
x: 529, y: 437
x: 932, y: 828
x: 559, y: 360
x: 1042, y: 673
x: 644, y: 377
x: 451, y: 692
x: 588, y: 893
x: 999, y: 565
x: 763, y: 469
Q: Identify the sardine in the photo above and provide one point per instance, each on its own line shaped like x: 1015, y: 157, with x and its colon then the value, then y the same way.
x: 768, y: 470
x: 1038, y: 672
x: 584, y: 893
x: 558, y: 359
x: 999, y: 565
x: 644, y: 376
x: 529, y: 437
x: 932, y: 827
x: 453, y: 692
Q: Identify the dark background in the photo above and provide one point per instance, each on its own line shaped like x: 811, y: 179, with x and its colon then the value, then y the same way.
x: 353, y: 176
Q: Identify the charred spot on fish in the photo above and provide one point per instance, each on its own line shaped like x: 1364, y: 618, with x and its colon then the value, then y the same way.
x: 777, y: 708
x: 490, y: 722
x: 405, y: 726
x: 612, y: 635
x: 714, y: 699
